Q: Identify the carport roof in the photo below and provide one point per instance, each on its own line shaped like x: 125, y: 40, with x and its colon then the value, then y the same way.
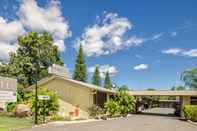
x: 163, y: 93
x: 134, y: 93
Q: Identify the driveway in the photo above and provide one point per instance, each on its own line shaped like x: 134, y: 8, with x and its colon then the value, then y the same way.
x: 140, y: 122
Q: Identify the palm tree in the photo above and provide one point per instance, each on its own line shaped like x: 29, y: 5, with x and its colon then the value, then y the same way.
x: 190, y: 78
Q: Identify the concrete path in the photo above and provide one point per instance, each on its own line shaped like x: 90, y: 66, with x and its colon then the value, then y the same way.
x: 140, y: 122
x: 159, y: 111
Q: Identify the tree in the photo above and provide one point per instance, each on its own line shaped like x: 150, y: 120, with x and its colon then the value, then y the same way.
x: 31, y: 60
x: 190, y: 78
x: 180, y: 88
x: 151, y: 89
x: 80, y: 73
x: 35, y: 52
x: 123, y: 88
x: 107, y: 81
x: 96, y: 79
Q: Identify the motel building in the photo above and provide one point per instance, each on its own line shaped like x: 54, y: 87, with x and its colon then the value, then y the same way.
x: 79, y: 96
x: 76, y: 98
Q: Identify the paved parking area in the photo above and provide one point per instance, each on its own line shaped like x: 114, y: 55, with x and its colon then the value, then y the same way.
x: 140, y: 122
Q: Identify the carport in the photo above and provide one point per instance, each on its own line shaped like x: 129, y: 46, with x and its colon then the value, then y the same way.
x: 184, y: 97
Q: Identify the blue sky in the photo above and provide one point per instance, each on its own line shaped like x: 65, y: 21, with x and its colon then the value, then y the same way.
x: 142, y: 43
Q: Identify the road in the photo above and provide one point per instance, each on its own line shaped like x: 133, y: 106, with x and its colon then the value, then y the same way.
x: 142, y: 122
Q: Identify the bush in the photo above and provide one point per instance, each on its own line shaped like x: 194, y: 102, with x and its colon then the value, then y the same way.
x: 112, y: 108
x: 190, y: 112
x: 47, y: 107
x: 126, y: 102
x: 123, y: 104
x: 95, y: 111
x: 57, y: 117
x: 11, y: 106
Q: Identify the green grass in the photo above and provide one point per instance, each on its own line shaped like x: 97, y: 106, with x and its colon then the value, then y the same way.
x: 11, y: 123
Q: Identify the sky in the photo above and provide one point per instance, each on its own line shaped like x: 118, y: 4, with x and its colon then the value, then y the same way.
x: 142, y: 43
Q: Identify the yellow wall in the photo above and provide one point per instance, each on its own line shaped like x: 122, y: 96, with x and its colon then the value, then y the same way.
x: 71, y: 95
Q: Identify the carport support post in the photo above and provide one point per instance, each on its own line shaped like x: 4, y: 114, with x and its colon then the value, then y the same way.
x: 108, y: 97
x: 185, y: 100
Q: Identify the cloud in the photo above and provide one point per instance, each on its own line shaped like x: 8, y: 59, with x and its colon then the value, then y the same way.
x: 32, y: 17
x: 190, y: 53
x: 50, y: 19
x: 157, y: 36
x: 139, y: 56
x: 173, y: 51
x: 141, y: 67
x: 8, y: 36
x: 107, y: 36
x: 181, y: 52
x: 103, y: 69
x: 173, y: 34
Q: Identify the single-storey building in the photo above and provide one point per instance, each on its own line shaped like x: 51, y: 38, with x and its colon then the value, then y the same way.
x: 75, y: 94
x: 82, y: 96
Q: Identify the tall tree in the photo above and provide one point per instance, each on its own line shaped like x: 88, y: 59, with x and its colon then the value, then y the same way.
x: 107, y: 81
x: 80, y: 72
x: 151, y: 89
x: 96, y: 79
x: 190, y: 78
x: 123, y: 88
x: 34, y: 55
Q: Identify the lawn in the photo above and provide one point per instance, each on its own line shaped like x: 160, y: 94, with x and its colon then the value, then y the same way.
x: 10, y: 123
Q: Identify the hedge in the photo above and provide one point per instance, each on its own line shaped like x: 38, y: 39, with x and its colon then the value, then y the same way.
x: 190, y: 112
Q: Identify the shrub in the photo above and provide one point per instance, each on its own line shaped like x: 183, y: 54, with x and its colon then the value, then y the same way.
x: 190, y: 112
x: 112, y: 107
x: 57, y: 117
x: 47, y: 107
x: 11, y: 106
x: 126, y: 102
x: 95, y: 111
x: 123, y: 103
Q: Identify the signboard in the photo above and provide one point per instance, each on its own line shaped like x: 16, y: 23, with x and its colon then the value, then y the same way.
x: 8, y: 89
x: 58, y: 70
x: 43, y: 97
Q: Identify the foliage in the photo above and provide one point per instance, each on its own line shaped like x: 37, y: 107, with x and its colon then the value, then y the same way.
x: 96, y: 79
x: 112, y: 107
x: 47, y: 107
x: 56, y: 117
x: 36, y: 52
x: 151, y: 89
x: 11, y: 106
x: 126, y: 102
x: 190, y: 78
x: 95, y: 111
x: 190, y: 112
x: 123, y: 103
x: 107, y: 81
x: 80, y: 72
x: 123, y: 88
x: 180, y: 88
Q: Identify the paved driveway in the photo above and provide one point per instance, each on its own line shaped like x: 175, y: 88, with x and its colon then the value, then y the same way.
x: 141, y: 122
